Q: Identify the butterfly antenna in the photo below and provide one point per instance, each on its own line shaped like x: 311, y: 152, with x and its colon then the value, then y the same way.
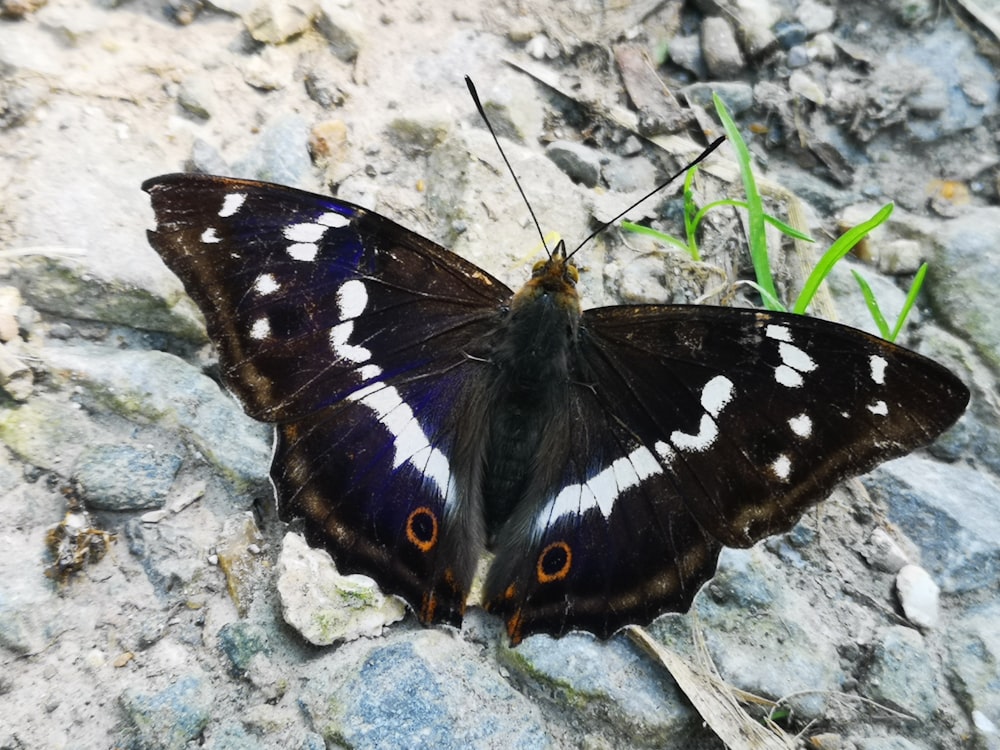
x: 482, y: 113
x: 701, y: 157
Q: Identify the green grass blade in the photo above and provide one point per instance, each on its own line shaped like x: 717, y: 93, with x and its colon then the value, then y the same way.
x: 772, y: 220
x: 873, y: 308
x: 911, y: 299
x: 755, y: 207
x: 656, y: 234
x: 841, y: 247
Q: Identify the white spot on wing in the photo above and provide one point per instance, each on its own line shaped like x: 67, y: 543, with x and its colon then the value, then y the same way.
x: 261, y: 329
x: 878, y: 365
x: 782, y: 467
x: 334, y: 220
x: 664, y: 450
x: 266, y: 284
x: 778, y: 333
x: 788, y: 377
x: 716, y: 394
x: 801, y: 425
x: 707, y: 432
x: 305, y: 251
x: 410, y: 443
x: 209, y: 237
x: 339, y: 336
x: 795, y: 357
x: 307, y: 231
x: 603, y: 489
x: 231, y: 204
x: 352, y: 299
x: 879, y: 408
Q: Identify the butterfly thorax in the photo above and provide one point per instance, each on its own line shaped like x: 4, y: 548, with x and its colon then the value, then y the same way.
x: 532, y: 352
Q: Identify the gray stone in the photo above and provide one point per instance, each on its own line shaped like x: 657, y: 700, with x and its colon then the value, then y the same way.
x: 901, y: 672
x: 761, y: 634
x: 738, y: 97
x: 424, y: 689
x: 685, y: 51
x: 125, y: 477
x: 950, y: 512
x: 160, y: 389
x: 241, y: 641
x: 170, y: 718
x: 629, y: 175
x: 961, y: 280
x: 343, y: 29
x: 720, y: 49
x: 79, y: 289
x: 973, y: 663
x: 281, y: 154
x: 231, y: 735
x: 197, y: 96
x: 613, y: 680
x: 581, y: 163
x: 815, y: 17
x: 277, y: 21
x: 48, y: 433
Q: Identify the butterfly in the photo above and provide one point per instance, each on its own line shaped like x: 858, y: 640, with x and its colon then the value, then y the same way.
x: 425, y: 412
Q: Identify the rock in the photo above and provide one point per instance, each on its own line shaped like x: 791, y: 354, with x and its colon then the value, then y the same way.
x: 738, y: 97
x: 422, y: 689
x: 614, y: 679
x: 883, y: 553
x: 950, y: 512
x: 973, y: 655
x: 581, y: 163
x: 720, y: 49
x: 281, y: 154
x: 125, y: 477
x: 196, y: 95
x: 154, y: 388
x: 801, y: 84
x: 343, y: 29
x: 791, y: 34
x: 48, y: 433
x: 815, y: 17
x: 74, y: 287
x: 241, y: 641
x: 960, y: 278
x: 901, y: 672
x: 275, y: 22
x: 918, y: 595
x: 170, y: 718
x: 325, y: 606
x: 686, y: 52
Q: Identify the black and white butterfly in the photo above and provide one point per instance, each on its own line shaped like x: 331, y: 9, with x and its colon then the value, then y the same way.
x: 425, y: 412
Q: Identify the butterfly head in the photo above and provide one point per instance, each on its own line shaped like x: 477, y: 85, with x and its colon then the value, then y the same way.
x: 554, y: 280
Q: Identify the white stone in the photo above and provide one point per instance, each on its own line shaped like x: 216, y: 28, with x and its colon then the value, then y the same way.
x: 919, y: 596
x: 325, y: 606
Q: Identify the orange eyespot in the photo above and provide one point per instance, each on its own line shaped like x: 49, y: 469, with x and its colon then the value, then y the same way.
x: 422, y: 529
x: 554, y: 563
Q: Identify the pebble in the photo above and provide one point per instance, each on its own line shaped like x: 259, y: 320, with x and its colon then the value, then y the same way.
x: 720, y: 49
x: 919, y: 596
x: 901, y: 673
x: 581, y: 163
x: 815, y: 17
x: 170, y: 718
x: 125, y: 477
x: 324, y: 606
x: 277, y: 21
x: 343, y: 29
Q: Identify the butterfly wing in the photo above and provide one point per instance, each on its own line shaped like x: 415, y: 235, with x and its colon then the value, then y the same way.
x: 351, y: 333
x: 704, y: 427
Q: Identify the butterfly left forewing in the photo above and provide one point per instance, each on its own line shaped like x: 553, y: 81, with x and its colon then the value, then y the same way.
x: 353, y: 334
x: 298, y: 289
x: 699, y: 427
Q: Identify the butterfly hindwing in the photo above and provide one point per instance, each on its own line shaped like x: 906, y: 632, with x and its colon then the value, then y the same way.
x: 704, y: 427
